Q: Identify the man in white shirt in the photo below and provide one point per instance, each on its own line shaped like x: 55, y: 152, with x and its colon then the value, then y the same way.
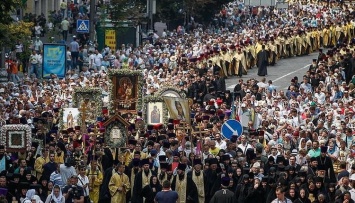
x: 280, y: 196
x: 91, y: 60
x: 319, y: 95
x: 244, y: 145
x: 37, y: 44
x: 98, y: 59
x: 83, y: 181
x: 33, y: 63
x: 65, y: 27
x: 221, y: 144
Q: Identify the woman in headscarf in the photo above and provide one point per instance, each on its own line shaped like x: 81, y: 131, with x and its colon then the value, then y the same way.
x: 29, y: 194
x: 302, y: 144
x: 291, y: 194
x: 43, y: 191
x: 36, y: 199
x: 302, y: 197
x: 151, y: 190
x: 56, y: 196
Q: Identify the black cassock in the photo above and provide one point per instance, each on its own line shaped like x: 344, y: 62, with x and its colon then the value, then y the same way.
x: 212, y: 184
x: 223, y: 196
x: 262, y: 63
x: 104, y: 194
x: 137, y: 196
x: 327, y: 163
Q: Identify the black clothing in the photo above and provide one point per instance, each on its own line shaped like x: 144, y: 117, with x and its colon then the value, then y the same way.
x: 262, y: 62
x: 76, y: 193
x: 104, y: 195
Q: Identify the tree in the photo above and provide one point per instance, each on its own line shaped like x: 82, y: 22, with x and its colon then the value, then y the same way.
x: 178, y: 12
x: 6, y: 9
x: 120, y: 10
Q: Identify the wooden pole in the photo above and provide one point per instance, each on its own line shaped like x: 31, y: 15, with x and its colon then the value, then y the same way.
x: 83, y: 108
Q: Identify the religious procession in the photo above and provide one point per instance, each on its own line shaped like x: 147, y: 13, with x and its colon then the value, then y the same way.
x: 157, y: 123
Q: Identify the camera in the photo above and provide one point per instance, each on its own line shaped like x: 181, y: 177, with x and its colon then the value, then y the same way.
x: 75, y: 192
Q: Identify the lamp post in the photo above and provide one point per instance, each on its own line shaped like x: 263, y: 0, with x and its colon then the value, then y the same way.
x: 151, y: 5
x: 92, y: 25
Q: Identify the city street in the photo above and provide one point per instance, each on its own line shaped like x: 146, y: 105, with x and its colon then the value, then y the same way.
x: 281, y: 74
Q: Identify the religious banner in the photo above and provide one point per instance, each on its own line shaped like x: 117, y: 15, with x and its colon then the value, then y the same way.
x: 110, y: 39
x: 16, y: 138
x: 70, y: 118
x: 178, y: 108
x: 54, y: 60
x: 156, y: 111
x: 89, y: 102
x: 125, y: 91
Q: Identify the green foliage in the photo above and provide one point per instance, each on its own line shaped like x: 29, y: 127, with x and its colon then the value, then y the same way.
x: 169, y: 11
x: 175, y: 11
x: 6, y: 9
x: 120, y: 10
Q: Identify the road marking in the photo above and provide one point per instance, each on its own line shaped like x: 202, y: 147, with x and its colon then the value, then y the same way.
x: 279, y: 78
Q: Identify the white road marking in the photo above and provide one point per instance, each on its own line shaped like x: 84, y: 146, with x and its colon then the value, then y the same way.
x: 279, y: 78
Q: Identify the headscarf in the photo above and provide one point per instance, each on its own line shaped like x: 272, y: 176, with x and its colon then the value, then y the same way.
x: 30, y: 193
x: 56, y: 199
x: 300, y: 146
x: 37, y: 198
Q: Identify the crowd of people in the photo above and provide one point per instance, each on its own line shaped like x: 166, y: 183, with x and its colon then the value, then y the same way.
x: 298, y: 146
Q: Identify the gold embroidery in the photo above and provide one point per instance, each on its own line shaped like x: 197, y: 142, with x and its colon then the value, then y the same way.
x: 198, y: 180
x: 146, y: 179
x: 181, y: 189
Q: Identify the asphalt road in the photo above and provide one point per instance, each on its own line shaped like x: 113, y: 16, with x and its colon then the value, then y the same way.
x: 281, y: 74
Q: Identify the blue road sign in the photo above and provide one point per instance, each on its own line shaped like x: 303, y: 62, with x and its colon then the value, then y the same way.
x: 83, y: 26
x: 232, y: 127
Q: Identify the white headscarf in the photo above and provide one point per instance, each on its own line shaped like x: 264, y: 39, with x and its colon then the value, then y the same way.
x: 37, y: 198
x: 56, y: 199
x: 299, y: 145
x: 30, y: 193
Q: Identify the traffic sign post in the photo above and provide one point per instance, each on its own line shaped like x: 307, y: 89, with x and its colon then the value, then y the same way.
x: 83, y: 26
x: 232, y: 127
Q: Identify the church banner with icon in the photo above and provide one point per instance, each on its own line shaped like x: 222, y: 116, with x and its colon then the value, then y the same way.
x: 125, y: 91
x: 88, y: 100
x: 155, y: 111
x: 178, y: 108
x: 16, y: 138
x: 54, y: 60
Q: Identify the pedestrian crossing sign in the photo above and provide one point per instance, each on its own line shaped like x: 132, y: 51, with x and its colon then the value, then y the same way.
x: 82, y: 26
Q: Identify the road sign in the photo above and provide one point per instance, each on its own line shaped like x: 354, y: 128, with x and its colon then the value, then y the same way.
x: 83, y: 26
x: 232, y: 127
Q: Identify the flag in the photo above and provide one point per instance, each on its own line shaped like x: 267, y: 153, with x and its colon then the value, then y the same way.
x: 239, y: 112
x: 233, y: 115
x: 198, y: 147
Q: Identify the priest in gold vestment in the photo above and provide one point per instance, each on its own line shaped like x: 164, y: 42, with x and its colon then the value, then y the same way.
x: 119, y: 185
